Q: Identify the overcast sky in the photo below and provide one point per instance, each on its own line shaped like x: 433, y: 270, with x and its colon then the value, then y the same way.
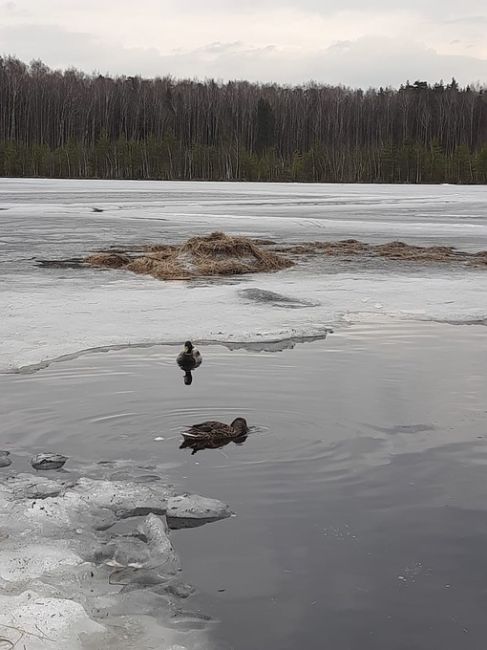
x: 352, y: 42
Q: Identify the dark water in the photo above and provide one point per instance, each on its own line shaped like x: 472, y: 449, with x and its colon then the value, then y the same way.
x: 361, y: 498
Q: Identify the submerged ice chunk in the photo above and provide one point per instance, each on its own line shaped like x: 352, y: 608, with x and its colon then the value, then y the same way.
x: 192, y: 506
x: 5, y: 460
x: 273, y: 298
x: 48, y: 460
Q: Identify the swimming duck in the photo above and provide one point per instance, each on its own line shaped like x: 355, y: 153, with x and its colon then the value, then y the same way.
x: 188, y: 360
x: 213, y: 430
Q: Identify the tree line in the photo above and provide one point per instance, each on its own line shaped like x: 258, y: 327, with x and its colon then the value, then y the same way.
x: 68, y: 124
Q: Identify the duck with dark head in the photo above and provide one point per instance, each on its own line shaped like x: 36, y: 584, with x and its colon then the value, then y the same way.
x: 213, y: 430
x: 214, y: 435
x: 189, y: 359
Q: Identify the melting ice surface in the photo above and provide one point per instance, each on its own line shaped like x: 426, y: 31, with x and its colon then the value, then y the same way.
x: 55, y: 312
x: 397, y: 413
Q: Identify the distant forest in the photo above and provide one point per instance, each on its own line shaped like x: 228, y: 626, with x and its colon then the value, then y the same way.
x: 73, y: 125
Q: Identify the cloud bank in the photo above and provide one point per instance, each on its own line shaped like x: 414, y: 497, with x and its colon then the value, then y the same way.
x: 268, y: 40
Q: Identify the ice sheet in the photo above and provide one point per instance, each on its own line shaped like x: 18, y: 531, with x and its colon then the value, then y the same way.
x: 49, y: 313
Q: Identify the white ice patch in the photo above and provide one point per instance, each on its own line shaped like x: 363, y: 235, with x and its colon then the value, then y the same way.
x: 35, y: 622
x: 56, y: 318
x: 33, y: 561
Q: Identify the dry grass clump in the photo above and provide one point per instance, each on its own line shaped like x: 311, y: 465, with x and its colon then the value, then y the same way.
x: 108, y: 259
x: 214, y: 254
x: 343, y: 247
x: 162, y: 249
x: 479, y: 259
x: 346, y: 247
x: 219, y: 245
x: 395, y: 250
x: 224, y: 267
x: 299, y: 249
x: 144, y: 265
x: 222, y: 254
x: 168, y: 269
x: 400, y: 251
x: 162, y: 255
x: 264, y: 242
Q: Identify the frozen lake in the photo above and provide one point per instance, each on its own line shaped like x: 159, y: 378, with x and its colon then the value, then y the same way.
x: 48, y: 313
x: 360, y: 498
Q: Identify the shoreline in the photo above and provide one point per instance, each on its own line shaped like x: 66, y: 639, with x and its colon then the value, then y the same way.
x: 258, y: 344
x: 70, y: 578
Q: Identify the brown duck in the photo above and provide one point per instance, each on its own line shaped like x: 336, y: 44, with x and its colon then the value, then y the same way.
x: 212, y: 430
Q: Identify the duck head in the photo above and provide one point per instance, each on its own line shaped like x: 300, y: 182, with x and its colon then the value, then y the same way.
x: 239, y: 425
x: 188, y: 347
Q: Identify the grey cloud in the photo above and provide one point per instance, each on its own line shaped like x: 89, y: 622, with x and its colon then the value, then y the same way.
x: 465, y: 20
x: 59, y: 48
x: 361, y: 63
x: 381, y: 61
x: 428, y: 7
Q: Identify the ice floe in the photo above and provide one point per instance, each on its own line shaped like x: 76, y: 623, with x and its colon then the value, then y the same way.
x: 68, y: 579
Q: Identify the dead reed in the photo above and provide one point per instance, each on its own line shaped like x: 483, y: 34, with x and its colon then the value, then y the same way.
x: 214, y: 254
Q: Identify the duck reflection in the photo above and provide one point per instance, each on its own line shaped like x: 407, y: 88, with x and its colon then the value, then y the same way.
x: 197, y: 445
